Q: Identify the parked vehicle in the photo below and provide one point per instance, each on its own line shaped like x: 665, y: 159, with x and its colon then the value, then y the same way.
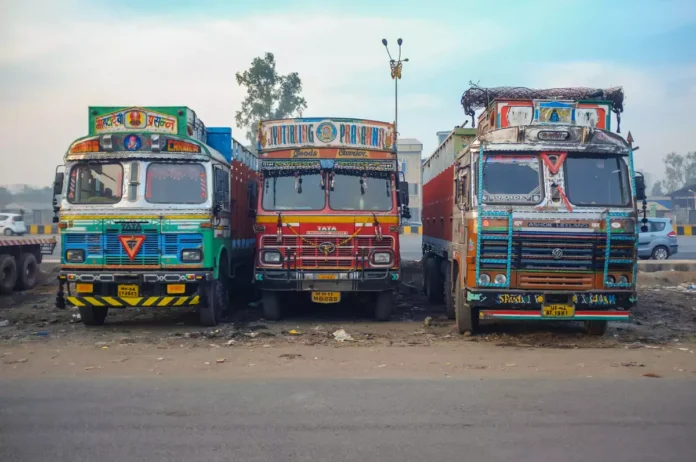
x: 535, y: 218
x: 12, y: 224
x: 19, y: 261
x: 328, y: 213
x: 153, y: 214
x: 659, y: 242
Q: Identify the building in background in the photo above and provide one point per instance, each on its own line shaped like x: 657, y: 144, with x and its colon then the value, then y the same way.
x: 409, y: 151
x: 442, y: 136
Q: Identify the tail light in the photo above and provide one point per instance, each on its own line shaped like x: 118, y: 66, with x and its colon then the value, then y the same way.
x: 671, y: 234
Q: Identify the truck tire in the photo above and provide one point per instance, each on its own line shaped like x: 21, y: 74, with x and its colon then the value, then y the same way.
x: 271, y: 305
x: 8, y: 274
x: 424, y: 273
x: 384, y: 305
x: 215, y: 303
x: 435, y: 289
x: 597, y: 328
x: 27, y: 272
x: 466, y: 316
x: 93, y: 315
x: 449, y: 297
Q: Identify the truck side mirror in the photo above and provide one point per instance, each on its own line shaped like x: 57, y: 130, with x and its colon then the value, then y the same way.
x: 403, y: 192
x: 252, y: 196
x: 58, y: 184
x: 640, y: 187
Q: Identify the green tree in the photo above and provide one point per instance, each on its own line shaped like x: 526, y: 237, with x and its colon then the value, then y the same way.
x: 269, y: 95
x: 680, y: 170
x: 657, y: 189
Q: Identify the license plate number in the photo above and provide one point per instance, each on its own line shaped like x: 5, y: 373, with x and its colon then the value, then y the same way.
x: 327, y: 276
x: 128, y: 290
x: 326, y: 297
x: 558, y: 311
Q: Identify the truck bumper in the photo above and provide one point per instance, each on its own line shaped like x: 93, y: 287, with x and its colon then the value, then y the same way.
x: 154, y: 289
x: 329, y: 281
x: 578, y: 305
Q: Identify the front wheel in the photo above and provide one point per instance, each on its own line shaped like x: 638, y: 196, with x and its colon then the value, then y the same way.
x: 271, y: 305
x: 93, y: 315
x: 597, y: 328
x: 466, y: 316
x: 214, y: 305
x: 434, y: 285
x: 449, y: 298
x: 8, y: 232
x: 384, y: 306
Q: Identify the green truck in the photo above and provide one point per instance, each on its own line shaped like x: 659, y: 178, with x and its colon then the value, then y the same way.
x: 153, y: 211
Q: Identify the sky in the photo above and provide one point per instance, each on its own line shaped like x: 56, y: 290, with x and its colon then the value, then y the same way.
x: 57, y: 57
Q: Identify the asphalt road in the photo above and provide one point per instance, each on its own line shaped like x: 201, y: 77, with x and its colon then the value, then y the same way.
x: 332, y: 420
x: 411, y: 248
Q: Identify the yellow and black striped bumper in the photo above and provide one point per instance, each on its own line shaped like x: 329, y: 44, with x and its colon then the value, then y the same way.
x: 123, y: 302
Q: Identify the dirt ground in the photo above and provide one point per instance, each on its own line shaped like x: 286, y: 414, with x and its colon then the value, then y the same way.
x: 36, y: 339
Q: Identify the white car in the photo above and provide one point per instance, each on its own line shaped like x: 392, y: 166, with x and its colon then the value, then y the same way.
x: 11, y: 224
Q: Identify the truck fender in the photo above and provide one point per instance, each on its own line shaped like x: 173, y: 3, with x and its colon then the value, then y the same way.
x: 222, y: 253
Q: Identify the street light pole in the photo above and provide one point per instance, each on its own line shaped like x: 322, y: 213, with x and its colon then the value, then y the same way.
x: 395, y: 65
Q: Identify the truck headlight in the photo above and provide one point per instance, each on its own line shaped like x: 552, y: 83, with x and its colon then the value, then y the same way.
x: 191, y: 255
x: 75, y: 255
x: 500, y: 279
x: 381, y: 258
x: 484, y: 279
x: 623, y: 280
x: 271, y: 256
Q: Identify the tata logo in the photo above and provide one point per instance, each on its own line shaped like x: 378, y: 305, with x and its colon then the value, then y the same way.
x: 130, y: 226
x: 326, y: 247
x: 328, y: 229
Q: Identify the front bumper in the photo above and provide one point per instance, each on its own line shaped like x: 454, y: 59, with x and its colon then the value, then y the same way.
x: 329, y: 281
x: 586, y: 305
x: 152, y: 288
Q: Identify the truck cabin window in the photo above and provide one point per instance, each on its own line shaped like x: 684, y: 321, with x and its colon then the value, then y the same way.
x: 596, y: 181
x: 370, y: 191
x: 293, y: 191
x: 95, y: 183
x: 509, y: 179
x: 169, y: 183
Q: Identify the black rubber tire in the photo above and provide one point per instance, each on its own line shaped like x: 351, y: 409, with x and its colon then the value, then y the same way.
x: 27, y: 272
x: 655, y: 251
x: 466, y: 316
x: 8, y: 232
x: 271, y: 305
x: 424, y: 273
x: 8, y: 274
x: 216, y: 301
x: 384, y: 305
x: 93, y: 315
x: 596, y: 328
x: 435, y: 289
x: 449, y: 296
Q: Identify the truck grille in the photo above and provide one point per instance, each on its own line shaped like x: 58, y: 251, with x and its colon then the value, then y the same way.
x: 148, y: 254
x: 308, y: 254
x: 553, y: 252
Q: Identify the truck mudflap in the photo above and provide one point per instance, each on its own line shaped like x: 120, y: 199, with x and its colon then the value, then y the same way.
x: 126, y: 302
x: 553, y: 306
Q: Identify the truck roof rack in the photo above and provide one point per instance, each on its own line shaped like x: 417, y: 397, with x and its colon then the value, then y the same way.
x: 477, y: 97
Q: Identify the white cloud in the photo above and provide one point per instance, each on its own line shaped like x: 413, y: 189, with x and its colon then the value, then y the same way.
x: 56, y: 62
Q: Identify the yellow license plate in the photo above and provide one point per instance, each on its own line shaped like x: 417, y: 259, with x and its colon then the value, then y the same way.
x: 84, y: 288
x: 558, y: 311
x: 128, y: 290
x: 327, y: 276
x: 326, y: 297
x: 176, y: 288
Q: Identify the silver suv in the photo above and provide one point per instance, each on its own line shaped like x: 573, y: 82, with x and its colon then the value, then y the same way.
x: 660, y: 240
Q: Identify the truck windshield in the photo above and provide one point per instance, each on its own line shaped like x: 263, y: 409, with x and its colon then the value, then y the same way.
x: 290, y: 192
x: 95, y: 183
x: 597, y: 181
x: 176, y: 184
x: 361, y: 192
x: 512, y: 179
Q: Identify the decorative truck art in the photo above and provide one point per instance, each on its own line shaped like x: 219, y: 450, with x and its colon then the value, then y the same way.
x: 150, y: 214
x: 533, y: 214
x: 328, y: 212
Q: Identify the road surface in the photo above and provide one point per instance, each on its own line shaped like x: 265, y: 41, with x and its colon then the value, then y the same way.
x: 386, y: 420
